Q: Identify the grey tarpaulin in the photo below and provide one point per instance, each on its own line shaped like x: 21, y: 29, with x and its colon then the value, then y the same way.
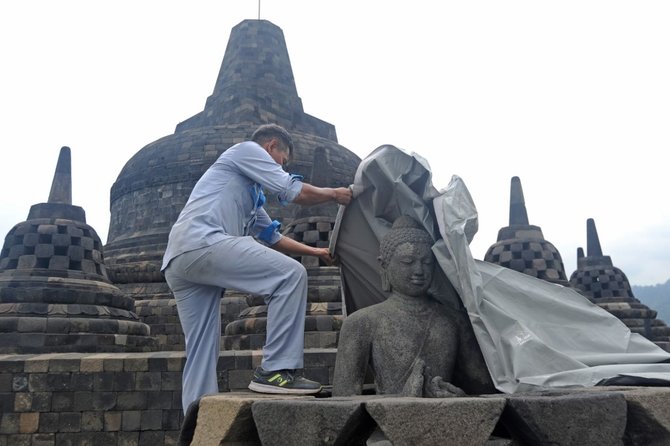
x: 532, y: 333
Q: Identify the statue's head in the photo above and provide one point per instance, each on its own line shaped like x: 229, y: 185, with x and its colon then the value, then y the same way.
x: 406, y: 258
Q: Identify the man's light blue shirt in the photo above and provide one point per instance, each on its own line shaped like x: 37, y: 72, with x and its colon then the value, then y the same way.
x: 226, y: 200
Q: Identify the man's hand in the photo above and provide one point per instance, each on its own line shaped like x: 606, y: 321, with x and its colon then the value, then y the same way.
x: 343, y: 195
x: 310, y: 195
x: 324, y: 255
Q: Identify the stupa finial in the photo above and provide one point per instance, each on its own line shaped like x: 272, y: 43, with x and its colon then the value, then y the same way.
x: 61, y: 186
x: 593, y: 248
x: 517, y: 204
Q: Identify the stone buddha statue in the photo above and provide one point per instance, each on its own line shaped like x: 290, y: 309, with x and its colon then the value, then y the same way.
x: 413, y: 344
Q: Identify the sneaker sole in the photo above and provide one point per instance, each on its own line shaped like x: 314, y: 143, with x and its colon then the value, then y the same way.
x: 264, y: 388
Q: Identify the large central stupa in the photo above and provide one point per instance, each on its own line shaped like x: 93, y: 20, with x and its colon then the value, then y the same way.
x: 255, y: 86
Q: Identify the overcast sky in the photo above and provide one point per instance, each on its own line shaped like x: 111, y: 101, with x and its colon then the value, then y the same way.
x: 573, y: 97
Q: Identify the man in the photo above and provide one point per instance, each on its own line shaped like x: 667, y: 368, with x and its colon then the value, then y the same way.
x: 223, y: 238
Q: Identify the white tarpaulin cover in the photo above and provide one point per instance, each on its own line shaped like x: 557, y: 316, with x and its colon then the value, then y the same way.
x: 532, y: 333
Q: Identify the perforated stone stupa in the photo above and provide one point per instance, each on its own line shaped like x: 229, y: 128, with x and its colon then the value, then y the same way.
x: 55, y: 295
x: 522, y: 246
x: 598, y: 279
x: 255, y: 86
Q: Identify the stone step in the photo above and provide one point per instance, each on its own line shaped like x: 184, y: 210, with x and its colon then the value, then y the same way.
x: 255, y: 341
x: 258, y: 324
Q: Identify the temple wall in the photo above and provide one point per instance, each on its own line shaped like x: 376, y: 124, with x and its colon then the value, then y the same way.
x: 118, y: 399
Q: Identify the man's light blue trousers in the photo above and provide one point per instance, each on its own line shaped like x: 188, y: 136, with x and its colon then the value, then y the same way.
x: 198, y: 279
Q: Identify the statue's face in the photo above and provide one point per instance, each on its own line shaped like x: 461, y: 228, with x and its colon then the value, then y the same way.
x: 410, y: 269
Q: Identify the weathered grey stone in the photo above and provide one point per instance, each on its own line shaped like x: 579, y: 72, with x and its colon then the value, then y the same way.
x: 574, y: 419
x: 415, y: 345
x: 228, y: 418
x: 433, y: 421
x: 325, y: 421
x: 59, y: 274
x: 648, y: 421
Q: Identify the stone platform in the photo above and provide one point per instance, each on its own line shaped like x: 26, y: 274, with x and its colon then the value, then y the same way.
x: 596, y: 416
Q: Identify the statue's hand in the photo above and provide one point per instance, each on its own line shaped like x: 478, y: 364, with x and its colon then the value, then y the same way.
x: 439, y: 388
x: 415, y: 380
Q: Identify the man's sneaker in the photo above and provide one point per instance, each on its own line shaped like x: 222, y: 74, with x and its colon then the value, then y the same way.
x: 282, y: 382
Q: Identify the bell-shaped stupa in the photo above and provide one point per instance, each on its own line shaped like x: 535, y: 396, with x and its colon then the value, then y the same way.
x: 522, y: 246
x: 55, y: 295
x: 597, y: 278
x: 255, y: 86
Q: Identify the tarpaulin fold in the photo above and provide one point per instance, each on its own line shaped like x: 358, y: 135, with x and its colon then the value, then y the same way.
x: 532, y: 333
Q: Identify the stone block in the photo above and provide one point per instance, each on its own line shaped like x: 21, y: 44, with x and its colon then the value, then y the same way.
x: 310, y: 237
x: 151, y: 420
x: 88, y: 266
x: 23, y: 402
x: 82, y: 381
x: 148, y: 381
x: 30, y: 239
x: 103, y: 381
x: 648, y: 421
x: 62, y: 401
x: 131, y: 420
x: 172, y: 419
x: 431, y: 421
x: 151, y: 438
x: 20, y: 383
x: 228, y: 418
x: 587, y: 418
x: 41, y: 401
x: 101, y: 401
x: 239, y: 379
x: 6, y: 402
x: 320, y: 358
x: 49, y: 422
x: 131, y: 401
x: 88, y: 438
x: 5, y: 383
x: 63, y: 365
x: 27, y: 262
x: 171, y: 380
x: 113, y: 365
x: 310, y: 261
x: 157, y: 364
x: 9, y: 423
x: 36, y: 366
x: 42, y: 440
x: 128, y: 439
x: 29, y: 422
x: 112, y: 421
x: 60, y: 263
x: 54, y: 381
x: 323, y: 421
x: 171, y: 438
x: 159, y: 400
x: 69, y: 422
x: 92, y: 421
x: 124, y: 381
x: 75, y: 253
x: 243, y: 360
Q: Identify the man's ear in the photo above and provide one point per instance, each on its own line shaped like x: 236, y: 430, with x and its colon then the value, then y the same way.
x: 274, y: 144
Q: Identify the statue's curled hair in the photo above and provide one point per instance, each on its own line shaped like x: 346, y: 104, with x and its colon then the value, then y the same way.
x: 404, y: 230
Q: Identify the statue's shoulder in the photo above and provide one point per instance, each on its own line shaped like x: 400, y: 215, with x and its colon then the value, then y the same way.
x: 365, y: 316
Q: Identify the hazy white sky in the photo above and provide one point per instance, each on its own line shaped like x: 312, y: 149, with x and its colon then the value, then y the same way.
x: 573, y: 97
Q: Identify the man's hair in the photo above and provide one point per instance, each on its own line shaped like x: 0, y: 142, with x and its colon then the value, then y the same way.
x: 266, y: 132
